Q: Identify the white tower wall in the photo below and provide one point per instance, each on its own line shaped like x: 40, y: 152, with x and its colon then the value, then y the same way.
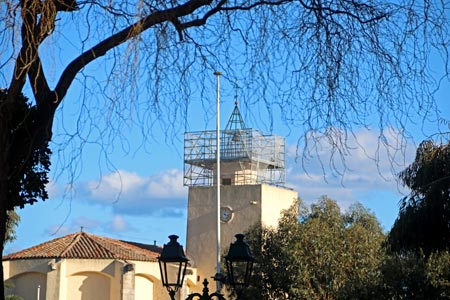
x: 250, y: 204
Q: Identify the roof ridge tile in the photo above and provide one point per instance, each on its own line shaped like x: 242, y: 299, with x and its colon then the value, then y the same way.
x: 86, y: 246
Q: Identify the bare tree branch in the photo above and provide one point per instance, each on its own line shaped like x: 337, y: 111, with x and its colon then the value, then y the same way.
x: 322, y: 68
x: 115, y: 40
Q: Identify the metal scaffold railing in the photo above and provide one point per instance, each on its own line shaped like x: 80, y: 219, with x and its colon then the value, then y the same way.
x: 247, y: 157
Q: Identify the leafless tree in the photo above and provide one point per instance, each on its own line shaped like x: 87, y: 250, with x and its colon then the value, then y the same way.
x: 322, y: 66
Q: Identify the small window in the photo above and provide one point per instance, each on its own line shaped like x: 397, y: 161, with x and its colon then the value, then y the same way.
x: 226, y: 181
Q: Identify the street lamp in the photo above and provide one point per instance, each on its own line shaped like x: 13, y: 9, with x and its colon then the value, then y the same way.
x: 239, y: 262
x: 172, y: 264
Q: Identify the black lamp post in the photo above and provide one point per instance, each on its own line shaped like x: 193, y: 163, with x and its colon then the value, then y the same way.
x: 239, y: 262
x: 172, y: 264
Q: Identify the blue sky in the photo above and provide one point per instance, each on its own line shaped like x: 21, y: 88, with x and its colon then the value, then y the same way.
x: 126, y: 186
x: 142, y: 197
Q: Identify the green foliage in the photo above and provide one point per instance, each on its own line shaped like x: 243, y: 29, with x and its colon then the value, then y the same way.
x: 438, y: 273
x: 324, y: 253
x: 418, y: 261
x: 11, y: 223
x: 321, y: 254
x: 413, y: 275
x: 28, y: 153
x: 343, y: 251
x: 423, y: 221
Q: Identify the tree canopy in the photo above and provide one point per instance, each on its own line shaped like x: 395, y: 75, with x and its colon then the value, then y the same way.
x: 11, y: 224
x: 29, y: 158
x: 323, y: 253
x: 320, y: 254
x: 423, y: 223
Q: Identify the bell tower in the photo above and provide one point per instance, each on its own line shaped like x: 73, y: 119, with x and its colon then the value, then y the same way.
x: 252, y: 177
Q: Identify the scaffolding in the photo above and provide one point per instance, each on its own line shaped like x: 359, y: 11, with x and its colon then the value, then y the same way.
x: 247, y: 157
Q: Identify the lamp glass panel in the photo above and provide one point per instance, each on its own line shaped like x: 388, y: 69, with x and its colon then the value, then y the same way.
x: 239, y: 272
x: 175, y: 273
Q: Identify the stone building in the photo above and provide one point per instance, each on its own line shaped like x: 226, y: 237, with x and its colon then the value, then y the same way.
x: 82, y: 266
x: 252, y: 191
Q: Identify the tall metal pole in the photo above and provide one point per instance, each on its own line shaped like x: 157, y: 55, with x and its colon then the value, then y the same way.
x: 217, y: 74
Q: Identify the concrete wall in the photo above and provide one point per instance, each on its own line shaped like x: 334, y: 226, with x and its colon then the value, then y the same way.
x: 88, y: 286
x: 251, y: 204
x: 28, y: 285
x: 143, y: 288
x: 273, y: 201
x: 84, y: 279
x: 26, y: 279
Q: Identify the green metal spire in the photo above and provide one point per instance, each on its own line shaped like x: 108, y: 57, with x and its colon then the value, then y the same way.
x: 235, y: 122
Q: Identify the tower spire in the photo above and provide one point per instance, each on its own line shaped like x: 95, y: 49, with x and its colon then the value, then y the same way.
x: 236, y: 121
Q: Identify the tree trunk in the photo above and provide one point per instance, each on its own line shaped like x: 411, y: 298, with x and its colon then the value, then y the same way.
x: 2, y: 235
x: 4, y: 170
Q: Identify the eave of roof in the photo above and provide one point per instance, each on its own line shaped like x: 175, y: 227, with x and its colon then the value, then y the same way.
x: 82, y: 245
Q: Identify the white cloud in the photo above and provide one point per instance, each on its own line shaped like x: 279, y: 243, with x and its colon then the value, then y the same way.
x: 130, y: 193
x: 167, y: 184
x: 52, y: 189
x: 370, y: 168
x: 76, y: 225
x: 118, y: 224
x: 112, y: 185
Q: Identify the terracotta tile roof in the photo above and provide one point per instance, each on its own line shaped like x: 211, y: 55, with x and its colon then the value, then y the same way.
x: 87, y: 246
x: 153, y: 248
